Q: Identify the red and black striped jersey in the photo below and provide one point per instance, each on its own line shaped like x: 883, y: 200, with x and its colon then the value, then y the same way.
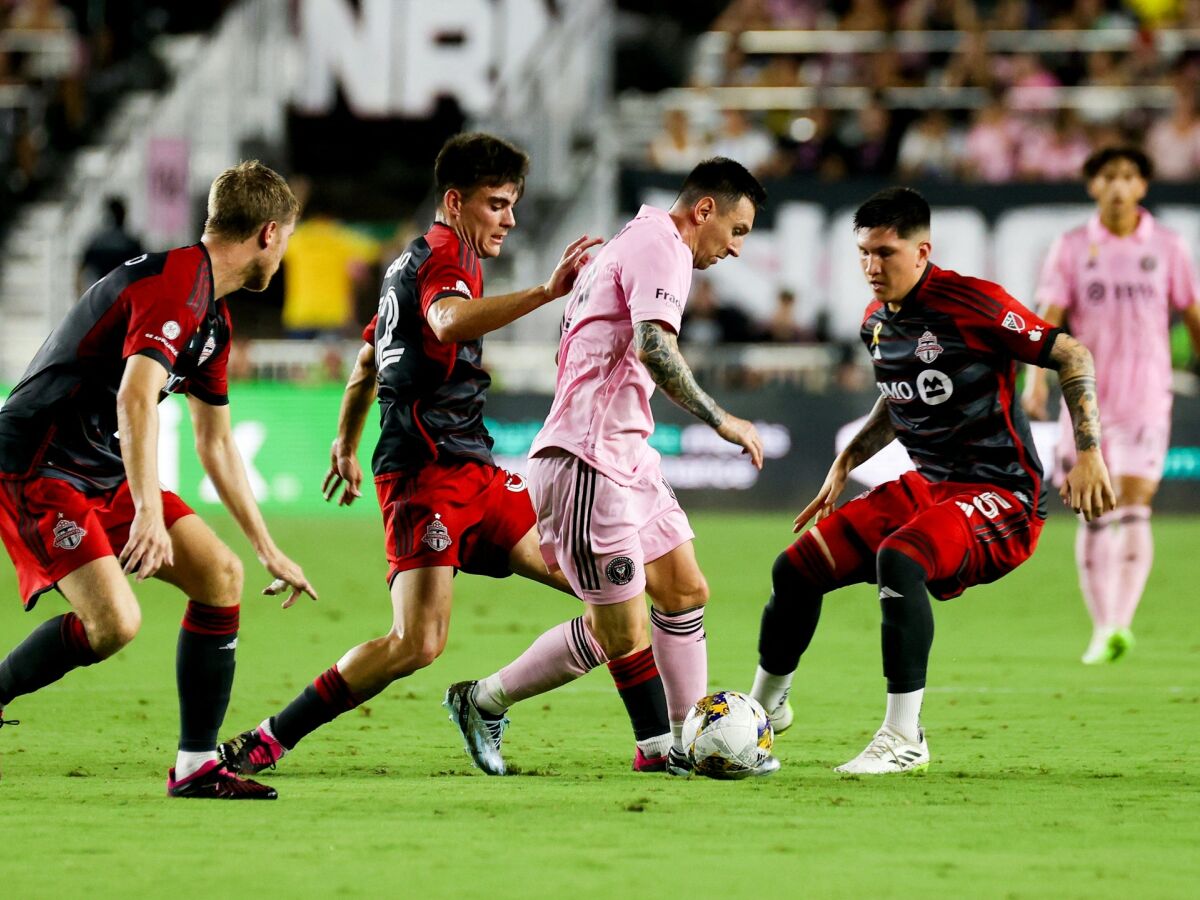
x: 61, y: 419
x: 946, y: 364
x: 431, y: 394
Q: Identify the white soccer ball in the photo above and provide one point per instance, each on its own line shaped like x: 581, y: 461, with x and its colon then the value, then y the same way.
x: 727, y: 735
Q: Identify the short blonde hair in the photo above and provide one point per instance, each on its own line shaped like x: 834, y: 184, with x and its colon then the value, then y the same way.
x: 245, y: 197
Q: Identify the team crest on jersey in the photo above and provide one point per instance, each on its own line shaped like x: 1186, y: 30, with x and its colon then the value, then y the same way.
x: 515, y: 482
x: 928, y: 348
x: 67, y: 534
x: 437, y: 536
x: 1013, y: 322
x: 620, y: 570
x: 170, y: 329
x: 209, y: 346
x: 1095, y: 291
x: 1148, y: 263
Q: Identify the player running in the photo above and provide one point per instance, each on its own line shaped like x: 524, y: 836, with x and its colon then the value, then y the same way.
x: 944, y: 348
x: 446, y: 505
x: 1115, y: 282
x: 607, y: 518
x: 80, y: 502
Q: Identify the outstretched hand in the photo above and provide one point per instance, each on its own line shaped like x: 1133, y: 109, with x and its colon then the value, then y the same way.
x: 289, y: 578
x: 574, y: 258
x: 823, y: 504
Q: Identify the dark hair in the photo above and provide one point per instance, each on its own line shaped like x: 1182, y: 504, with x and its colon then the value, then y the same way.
x: 1102, y: 157
x: 723, y: 179
x: 472, y: 160
x: 900, y: 208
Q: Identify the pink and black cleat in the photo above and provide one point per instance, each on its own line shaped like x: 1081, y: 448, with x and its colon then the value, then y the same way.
x: 251, y: 752
x: 213, y: 781
x: 644, y: 763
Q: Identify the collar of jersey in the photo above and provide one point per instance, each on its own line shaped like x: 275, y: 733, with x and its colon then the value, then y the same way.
x: 907, y: 302
x: 1097, y: 233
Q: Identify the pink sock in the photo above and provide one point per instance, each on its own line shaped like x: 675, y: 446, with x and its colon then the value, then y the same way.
x: 559, y: 656
x: 1096, y: 559
x: 1135, y: 550
x: 681, y: 653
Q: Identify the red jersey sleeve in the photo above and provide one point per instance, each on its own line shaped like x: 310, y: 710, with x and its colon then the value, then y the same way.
x: 368, y: 334
x: 990, y: 317
x: 444, y: 275
x: 209, y: 383
x: 163, y: 315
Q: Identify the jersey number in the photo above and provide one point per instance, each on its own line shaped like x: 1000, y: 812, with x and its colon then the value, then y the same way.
x: 389, y: 314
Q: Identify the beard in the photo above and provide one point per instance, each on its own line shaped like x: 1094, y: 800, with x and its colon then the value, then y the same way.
x: 256, y: 277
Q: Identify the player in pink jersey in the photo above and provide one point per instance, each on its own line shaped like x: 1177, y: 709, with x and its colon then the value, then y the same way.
x: 1116, y: 280
x: 606, y: 517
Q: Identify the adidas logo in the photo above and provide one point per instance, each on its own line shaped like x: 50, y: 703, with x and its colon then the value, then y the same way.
x: 232, y: 645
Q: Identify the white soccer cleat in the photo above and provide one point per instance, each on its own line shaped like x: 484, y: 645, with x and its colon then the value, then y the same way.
x: 1100, y: 650
x: 889, y: 752
x: 782, y: 715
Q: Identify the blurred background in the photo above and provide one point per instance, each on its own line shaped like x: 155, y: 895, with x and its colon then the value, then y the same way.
x: 115, y: 115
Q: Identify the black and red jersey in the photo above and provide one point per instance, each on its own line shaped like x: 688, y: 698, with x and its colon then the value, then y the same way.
x: 946, y: 364
x: 61, y: 419
x: 431, y: 393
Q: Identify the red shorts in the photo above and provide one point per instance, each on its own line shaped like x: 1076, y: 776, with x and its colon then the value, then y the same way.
x: 962, y: 534
x: 460, y: 513
x: 51, y: 528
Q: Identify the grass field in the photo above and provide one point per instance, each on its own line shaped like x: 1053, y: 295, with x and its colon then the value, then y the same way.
x: 1049, y: 779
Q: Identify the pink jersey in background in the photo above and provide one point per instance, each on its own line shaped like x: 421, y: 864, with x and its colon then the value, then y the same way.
x: 1118, y: 294
x: 601, y: 410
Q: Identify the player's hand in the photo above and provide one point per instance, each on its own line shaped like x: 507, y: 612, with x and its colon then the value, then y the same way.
x: 344, y: 472
x: 574, y: 258
x: 822, y: 505
x: 289, y: 578
x: 744, y: 434
x: 149, y: 546
x: 1087, y: 488
x: 1036, y: 398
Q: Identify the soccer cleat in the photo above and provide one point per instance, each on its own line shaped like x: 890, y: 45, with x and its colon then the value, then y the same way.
x: 481, y: 734
x: 213, y: 781
x: 889, y: 752
x: 1099, y: 650
x: 678, y: 763
x: 782, y: 715
x: 644, y: 763
x: 768, y: 766
x: 251, y: 752
x: 1120, y: 643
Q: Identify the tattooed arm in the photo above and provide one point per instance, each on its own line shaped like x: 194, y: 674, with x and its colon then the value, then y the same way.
x: 1087, y: 488
x: 877, y: 432
x: 658, y: 351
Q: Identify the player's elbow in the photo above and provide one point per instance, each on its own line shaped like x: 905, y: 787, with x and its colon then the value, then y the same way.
x: 446, y: 328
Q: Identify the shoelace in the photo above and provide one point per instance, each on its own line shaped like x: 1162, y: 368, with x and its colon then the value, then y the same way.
x: 880, y: 747
x: 495, y: 729
x: 4, y: 722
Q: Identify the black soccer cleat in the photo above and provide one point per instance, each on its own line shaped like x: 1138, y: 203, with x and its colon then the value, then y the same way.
x: 251, y: 752
x: 213, y: 781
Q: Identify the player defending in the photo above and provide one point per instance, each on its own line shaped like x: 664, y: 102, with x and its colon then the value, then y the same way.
x: 1115, y: 281
x: 944, y: 348
x: 80, y: 502
x: 446, y: 505
x: 607, y: 518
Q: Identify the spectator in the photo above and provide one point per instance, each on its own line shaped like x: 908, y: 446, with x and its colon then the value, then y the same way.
x: 971, y: 65
x: 812, y: 147
x: 740, y: 140
x: 782, y: 327
x: 866, y: 15
x: 1054, y: 153
x: 930, y: 148
x: 868, y: 142
x: 990, y: 149
x: 706, y: 322
x: 677, y: 148
x: 1174, y: 140
x: 109, y: 247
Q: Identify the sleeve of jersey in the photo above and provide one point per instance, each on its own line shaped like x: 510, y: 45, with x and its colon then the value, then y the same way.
x: 1185, y: 287
x: 1054, y: 285
x: 160, y: 321
x: 210, y: 383
x: 368, y: 334
x: 655, y: 285
x: 1012, y: 329
x: 442, y: 276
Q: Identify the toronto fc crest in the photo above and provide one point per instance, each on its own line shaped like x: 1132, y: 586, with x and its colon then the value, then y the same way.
x: 928, y: 348
x: 437, y: 536
x: 67, y: 534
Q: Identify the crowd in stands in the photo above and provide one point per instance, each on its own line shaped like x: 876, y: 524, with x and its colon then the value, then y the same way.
x: 1019, y: 132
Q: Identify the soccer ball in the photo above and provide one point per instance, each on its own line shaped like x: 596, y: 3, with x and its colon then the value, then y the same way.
x: 727, y: 735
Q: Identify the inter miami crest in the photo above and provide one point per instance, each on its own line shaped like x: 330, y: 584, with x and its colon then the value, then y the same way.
x: 437, y: 536
x: 67, y: 534
x: 620, y: 570
x: 928, y: 348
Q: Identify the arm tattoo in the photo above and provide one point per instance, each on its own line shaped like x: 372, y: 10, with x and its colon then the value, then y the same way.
x: 658, y: 349
x: 1077, y: 378
x: 877, y: 432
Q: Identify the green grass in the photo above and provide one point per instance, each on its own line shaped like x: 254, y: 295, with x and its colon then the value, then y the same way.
x: 1049, y: 779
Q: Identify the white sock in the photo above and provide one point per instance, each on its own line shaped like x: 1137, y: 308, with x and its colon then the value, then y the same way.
x: 490, y: 695
x: 188, y: 763
x: 655, y: 746
x: 904, y: 713
x: 265, y: 727
x: 770, y: 690
x: 677, y: 736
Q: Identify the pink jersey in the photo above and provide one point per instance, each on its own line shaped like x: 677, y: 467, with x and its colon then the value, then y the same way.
x: 1118, y: 294
x: 601, y: 410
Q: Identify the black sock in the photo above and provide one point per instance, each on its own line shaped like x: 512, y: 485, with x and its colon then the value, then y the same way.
x: 321, y: 702
x: 204, y: 663
x: 790, y: 617
x: 641, y: 689
x: 52, y: 650
x: 907, y: 630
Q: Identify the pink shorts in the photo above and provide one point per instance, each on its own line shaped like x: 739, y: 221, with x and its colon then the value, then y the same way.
x: 599, y: 533
x: 1133, y: 449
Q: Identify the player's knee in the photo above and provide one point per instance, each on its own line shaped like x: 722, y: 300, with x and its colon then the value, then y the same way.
x: 894, y: 567
x: 621, y: 640
x: 789, y: 582
x: 413, y: 651
x: 109, y: 633
x: 229, y: 578
x: 687, y: 594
